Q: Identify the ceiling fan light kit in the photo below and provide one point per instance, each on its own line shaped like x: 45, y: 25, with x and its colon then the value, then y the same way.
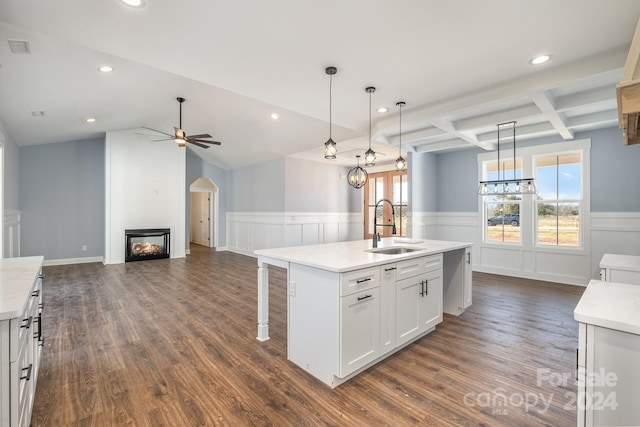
x: 181, y: 138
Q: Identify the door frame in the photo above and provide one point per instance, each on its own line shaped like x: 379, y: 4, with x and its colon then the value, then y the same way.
x: 205, y: 185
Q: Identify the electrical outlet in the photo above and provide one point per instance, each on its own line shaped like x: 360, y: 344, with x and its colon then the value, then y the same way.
x: 84, y: 247
x: 292, y: 289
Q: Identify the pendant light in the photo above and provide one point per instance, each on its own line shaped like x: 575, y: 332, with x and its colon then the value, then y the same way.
x: 357, y: 176
x: 370, y: 155
x: 330, y: 149
x: 502, y: 186
x: 401, y: 163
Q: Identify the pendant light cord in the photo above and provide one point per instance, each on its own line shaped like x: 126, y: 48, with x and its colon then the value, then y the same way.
x: 369, y: 121
x: 330, y: 87
x: 400, y: 146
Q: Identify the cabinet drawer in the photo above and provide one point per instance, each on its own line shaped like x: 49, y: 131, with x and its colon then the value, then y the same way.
x: 20, y: 332
x: 359, y: 280
x: 417, y: 266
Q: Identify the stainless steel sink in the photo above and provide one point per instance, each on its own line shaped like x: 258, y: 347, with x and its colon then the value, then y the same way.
x: 393, y: 250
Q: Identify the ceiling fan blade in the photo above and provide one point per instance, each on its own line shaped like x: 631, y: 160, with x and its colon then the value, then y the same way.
x: 165, y: 139
x: 197, y: 143
x: 202, y: 135
x: 154, y: 130
x: 206, y: 142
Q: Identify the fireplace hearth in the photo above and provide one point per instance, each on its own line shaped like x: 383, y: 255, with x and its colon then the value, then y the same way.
x: 146, y: 244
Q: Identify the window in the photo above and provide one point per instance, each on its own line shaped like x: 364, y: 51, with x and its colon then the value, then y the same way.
x: 502, y: 212
x: 391, y: 186
x: 559, y: 182
x: 553, y: 220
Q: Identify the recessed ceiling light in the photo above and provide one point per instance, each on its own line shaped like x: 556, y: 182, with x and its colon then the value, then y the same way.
x: 105, y: 69
x: 91, y: 120
x: 383, y: 110
x: 275, y: 116
x: 541, y: 59
x: 133, y: 3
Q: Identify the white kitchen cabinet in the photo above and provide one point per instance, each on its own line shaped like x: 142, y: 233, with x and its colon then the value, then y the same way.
x: 620, y: 268
x: 359, y: 330
x: 457, y: 271
x: 387, y: 308
x: 348, y: 312
x: 418, y: 305
x: 608, y: 355
x: 20, y: 337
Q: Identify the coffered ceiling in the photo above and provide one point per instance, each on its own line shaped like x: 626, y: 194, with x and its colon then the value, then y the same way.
x: 461, y: 66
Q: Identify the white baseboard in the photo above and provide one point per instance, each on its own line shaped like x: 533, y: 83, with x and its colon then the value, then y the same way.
x: 69, y: 261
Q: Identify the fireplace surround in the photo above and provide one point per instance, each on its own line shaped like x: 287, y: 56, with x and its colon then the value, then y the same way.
x: 146, y: 244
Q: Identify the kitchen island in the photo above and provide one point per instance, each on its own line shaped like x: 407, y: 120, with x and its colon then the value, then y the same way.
x: 350, y: 305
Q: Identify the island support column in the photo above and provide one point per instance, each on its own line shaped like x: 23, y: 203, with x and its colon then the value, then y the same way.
x: 263, y: 301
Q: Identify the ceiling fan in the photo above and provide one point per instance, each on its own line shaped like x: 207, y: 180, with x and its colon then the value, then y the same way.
x: 181, y: 137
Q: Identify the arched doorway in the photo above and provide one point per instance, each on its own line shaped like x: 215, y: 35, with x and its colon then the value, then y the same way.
x: 203, y: 212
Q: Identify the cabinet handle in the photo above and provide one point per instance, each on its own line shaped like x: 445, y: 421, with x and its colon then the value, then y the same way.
x: 29, y: 369
x: 422, y: 288
x: 364, y: 297
x: 28, y: 325
x: 426, y: 287
x: 390, y: 269
x: 36, y: 293
x: 363, y: 280
x: 41, y: 276
x: 37, y: 333
x: 469, y: 258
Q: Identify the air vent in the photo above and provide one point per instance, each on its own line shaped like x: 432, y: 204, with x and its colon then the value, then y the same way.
x: 19, y: 46
x: 37, y: 113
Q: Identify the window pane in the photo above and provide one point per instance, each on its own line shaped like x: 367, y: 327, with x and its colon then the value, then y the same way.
x: 546, y: 177
x: 503, y: 222
x: 370, y: 211
x: 396, y: 190
x: 568, y: 177
x: 569, y: 224
x: 379, y: 191
x: 547, y: 223
x: 401, y: 220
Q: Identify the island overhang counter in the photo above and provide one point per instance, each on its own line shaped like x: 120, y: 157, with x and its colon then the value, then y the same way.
x: 350, y: 305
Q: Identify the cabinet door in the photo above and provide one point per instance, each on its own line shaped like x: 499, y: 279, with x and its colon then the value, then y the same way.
x: 430, y: 300
x: 360, y: 330
x: 388, y: 308
x: 408, y: 309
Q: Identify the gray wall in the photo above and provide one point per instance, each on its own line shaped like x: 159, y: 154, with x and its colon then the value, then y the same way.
x: 457, y: 178
x: 422, y: 170
x: 615, y: 172
x: 197, y: 168
x: 318, y: 187
x: 62, y: 192
x: 11, y: 167
x: 258, y: 187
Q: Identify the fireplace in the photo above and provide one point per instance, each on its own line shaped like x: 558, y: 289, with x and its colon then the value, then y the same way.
x: 146, y: 244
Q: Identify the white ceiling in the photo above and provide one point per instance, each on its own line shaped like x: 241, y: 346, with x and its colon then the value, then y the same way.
x: 461, y: 66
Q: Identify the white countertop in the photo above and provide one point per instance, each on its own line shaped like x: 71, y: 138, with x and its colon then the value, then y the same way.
x: 16, y: 279
x: 348, y: 256
x: 620, y: 262
x: 610, y: 305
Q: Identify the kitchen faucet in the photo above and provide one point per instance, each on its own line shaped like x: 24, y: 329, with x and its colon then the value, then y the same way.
x: 376, y: 236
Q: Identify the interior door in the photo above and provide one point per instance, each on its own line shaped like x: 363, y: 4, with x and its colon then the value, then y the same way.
x: 391, y: 186
x: 204, y: 218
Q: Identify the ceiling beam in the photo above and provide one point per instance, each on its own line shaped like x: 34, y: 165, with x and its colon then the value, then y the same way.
x: 442, y: 145
x: 545, y: 103
x: 491, y: 119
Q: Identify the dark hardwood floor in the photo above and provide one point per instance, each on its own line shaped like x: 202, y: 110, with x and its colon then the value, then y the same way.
x: 172, y: 343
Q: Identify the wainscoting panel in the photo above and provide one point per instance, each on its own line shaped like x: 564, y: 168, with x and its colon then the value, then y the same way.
x: 249, y: 231
x: 11, y: 244
x: 608, y: 232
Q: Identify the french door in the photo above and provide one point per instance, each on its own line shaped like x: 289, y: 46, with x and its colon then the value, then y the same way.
x: 393, y: 187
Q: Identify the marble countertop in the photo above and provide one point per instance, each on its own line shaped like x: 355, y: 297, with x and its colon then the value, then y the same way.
x: 347, y: 256
x: 610, y: 305
x: 16, y: 280
x: 620, y: 262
